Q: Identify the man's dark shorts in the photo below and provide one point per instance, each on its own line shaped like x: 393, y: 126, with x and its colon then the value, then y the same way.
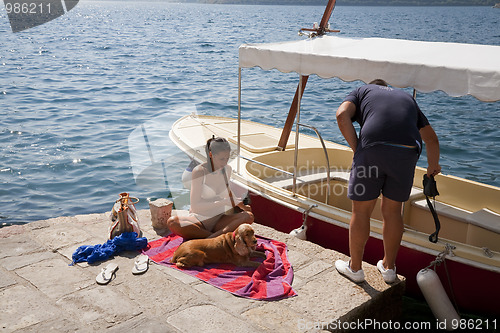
x: 385, y: 169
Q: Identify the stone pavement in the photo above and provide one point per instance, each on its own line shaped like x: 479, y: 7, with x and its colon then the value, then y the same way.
x: 40, y: 292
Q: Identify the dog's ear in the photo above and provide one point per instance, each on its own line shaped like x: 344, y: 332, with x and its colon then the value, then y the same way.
x: 240, y: 246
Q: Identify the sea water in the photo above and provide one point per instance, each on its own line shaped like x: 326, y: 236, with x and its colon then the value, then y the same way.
x: 87, y: 99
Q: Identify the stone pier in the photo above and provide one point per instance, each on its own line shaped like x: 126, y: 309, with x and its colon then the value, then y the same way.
x: 40, y: 292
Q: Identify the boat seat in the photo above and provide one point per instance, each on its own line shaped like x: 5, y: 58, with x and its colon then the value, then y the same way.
x: 259, y: 143
x: 308, y: 179
x: 486, y: 219
x: 445, y: 210
x: 484, y: 229
x: 416, y: 193
x: 483, y: 218
x: 253, y: 138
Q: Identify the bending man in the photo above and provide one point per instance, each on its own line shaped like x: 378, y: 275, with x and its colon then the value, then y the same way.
x: 385, y: 156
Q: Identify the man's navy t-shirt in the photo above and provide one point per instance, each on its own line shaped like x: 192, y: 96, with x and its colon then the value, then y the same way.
x: 387, y: 116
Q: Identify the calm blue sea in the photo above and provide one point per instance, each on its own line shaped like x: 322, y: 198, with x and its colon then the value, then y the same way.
x: 78, y: 93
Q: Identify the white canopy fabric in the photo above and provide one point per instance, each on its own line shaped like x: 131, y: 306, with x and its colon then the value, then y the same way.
x: 457, y: 69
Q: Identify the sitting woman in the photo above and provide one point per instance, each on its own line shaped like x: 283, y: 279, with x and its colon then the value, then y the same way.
x: 211, y: 198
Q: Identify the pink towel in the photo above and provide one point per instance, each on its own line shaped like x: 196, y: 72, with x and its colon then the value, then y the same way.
x: 272, y: 280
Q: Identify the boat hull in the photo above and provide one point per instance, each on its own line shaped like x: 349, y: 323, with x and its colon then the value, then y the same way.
x: 468, y: 282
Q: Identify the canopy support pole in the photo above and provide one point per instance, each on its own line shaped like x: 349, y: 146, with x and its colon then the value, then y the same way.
x: 285, y: 134
x: 239, y: 122
x: 296, y: 153
x: 326, y: 17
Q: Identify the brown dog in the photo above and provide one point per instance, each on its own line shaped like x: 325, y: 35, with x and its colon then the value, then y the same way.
x: 231, y: 248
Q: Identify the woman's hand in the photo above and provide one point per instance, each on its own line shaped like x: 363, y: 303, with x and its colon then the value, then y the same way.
x: 244, y: 207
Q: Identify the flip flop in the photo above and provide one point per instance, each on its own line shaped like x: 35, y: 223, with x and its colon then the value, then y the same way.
x: 141, y: 264
x: 106, y: 274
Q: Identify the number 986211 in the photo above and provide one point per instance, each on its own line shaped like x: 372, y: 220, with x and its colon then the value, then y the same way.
x: 27, y: 8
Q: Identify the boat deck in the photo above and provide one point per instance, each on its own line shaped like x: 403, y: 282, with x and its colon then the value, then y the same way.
x: 39, y: 291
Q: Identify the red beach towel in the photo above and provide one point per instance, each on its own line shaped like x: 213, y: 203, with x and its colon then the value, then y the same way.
x: 272, y: 280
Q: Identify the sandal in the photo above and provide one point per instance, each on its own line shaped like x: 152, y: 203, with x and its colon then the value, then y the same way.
x: 141, y: 265
x: 106, y: 274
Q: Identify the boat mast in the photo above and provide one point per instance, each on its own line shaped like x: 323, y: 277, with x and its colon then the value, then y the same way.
x: 317, y: 31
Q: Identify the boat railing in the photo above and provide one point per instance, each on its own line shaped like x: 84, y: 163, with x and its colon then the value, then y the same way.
x: 294, y: 174
x: 268, y: 166
x: 291, y: 174
x: 326, y: 156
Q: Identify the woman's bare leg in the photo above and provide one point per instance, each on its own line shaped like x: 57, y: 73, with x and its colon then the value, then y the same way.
x: 188, y: 227
x: 229, y: 223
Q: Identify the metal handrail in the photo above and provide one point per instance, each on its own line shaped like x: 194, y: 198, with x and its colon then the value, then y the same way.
x: 267, y: 165
x: 327, y: 159
x: 294, y: 175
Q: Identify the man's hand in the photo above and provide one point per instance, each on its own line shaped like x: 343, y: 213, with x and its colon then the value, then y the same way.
x: 433, y: 170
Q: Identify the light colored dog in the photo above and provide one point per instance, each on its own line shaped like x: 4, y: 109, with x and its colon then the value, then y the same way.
x: 232, y: 248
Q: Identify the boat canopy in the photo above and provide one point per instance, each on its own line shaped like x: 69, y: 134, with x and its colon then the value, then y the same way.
x: 457, y: 69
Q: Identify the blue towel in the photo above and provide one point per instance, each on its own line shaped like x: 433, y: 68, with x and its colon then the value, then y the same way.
x: 126, y: 241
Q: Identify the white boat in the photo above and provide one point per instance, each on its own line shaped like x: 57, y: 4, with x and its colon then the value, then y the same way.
x: 301, y: 179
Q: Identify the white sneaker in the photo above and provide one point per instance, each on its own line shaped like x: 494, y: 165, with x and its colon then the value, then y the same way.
x: 344, y: 268
x: 389, y: 275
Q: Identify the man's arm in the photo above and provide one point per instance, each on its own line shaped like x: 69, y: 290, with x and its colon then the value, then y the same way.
x: 432, y: 147
x: 345, y: 113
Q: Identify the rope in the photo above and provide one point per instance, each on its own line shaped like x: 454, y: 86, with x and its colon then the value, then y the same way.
x: 441, y: 258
